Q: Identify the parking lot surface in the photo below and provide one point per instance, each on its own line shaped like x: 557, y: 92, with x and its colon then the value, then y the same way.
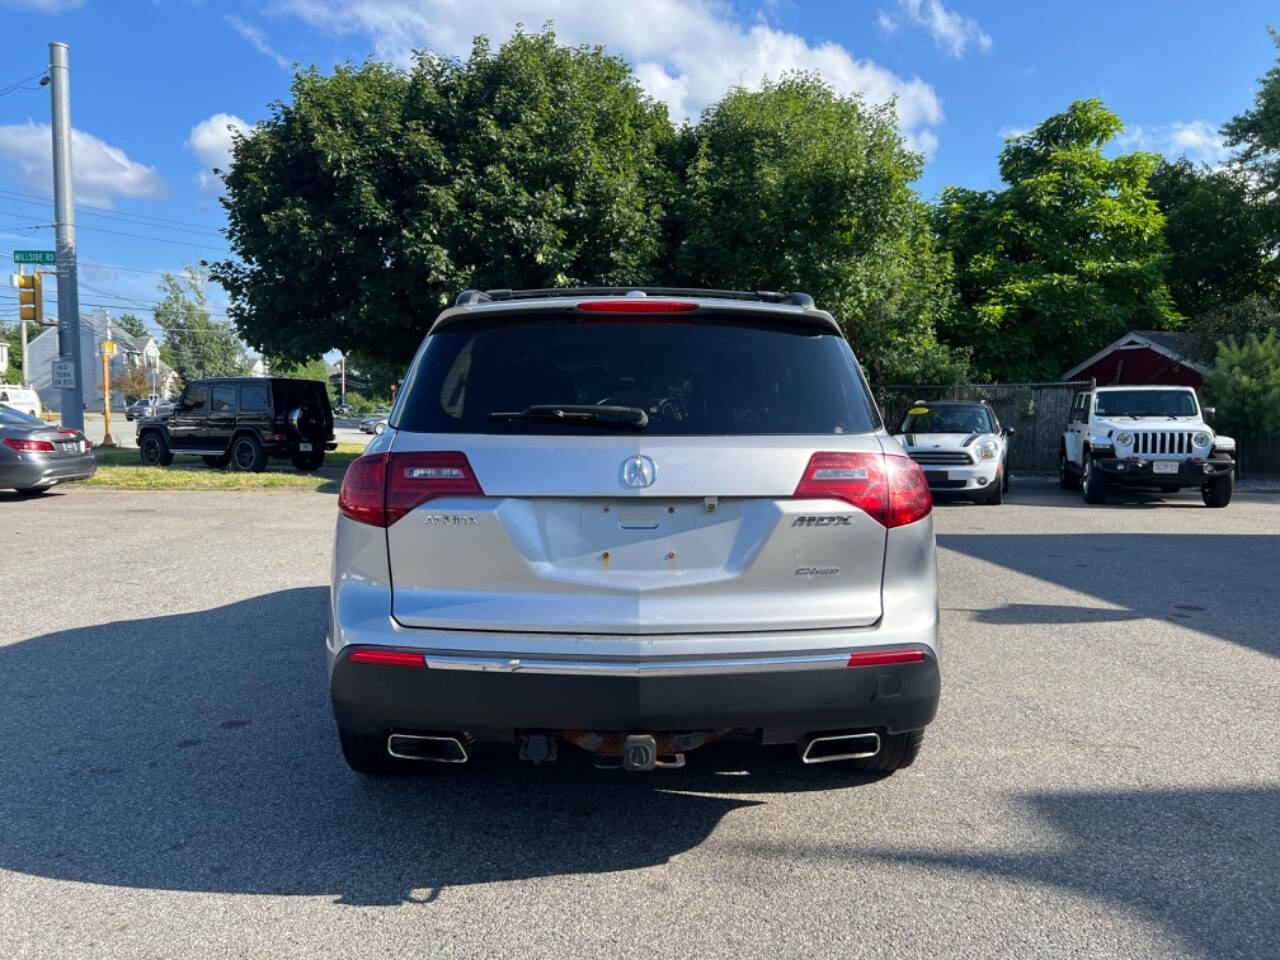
x: 1102, y: 780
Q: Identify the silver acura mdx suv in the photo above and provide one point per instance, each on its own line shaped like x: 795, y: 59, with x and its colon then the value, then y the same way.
x: 628, y: 522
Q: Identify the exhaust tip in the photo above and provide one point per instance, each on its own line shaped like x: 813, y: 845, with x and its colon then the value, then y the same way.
x: 840, y: 746
x: 431, y: 749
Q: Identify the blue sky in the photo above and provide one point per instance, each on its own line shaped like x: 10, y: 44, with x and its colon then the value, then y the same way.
x: 155, y: 85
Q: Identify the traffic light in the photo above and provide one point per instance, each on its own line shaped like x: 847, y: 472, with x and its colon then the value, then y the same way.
x: 31, y: 298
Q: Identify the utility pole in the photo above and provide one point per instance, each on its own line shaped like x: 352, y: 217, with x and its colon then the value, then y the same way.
x: 65, y: 237
x: 342, y: 359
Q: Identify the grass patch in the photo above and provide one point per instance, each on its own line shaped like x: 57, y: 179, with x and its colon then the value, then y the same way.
x: 122, y: 470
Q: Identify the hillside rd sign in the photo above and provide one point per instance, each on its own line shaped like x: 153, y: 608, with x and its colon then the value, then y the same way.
x: 35, y: 256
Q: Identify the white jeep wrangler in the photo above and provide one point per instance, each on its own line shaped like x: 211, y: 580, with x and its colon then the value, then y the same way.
x: 1145, y: 437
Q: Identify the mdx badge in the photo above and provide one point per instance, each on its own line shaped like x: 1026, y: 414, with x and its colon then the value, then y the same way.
x: 638, y: 472
x: 823, y: 520
x: 449, y: 520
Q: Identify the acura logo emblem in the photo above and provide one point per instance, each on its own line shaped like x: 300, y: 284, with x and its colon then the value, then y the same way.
x: 639, y: 471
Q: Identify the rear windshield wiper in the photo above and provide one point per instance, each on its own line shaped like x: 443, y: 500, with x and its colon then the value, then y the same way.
x: 633, y: 417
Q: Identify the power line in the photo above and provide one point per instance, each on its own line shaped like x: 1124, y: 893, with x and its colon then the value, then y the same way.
x: 124, y: 217
x: 120, y: 233
x: 18, y: 84
x: 32, y: 197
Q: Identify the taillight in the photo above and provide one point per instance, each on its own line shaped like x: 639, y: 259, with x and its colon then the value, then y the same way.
x: 29, y: 446
x: 68, y: 430
x: 637, y: 305
x: 891, y: 490
x: 415, y: 478
x: 363, y: 495
x: 380, y: 488
x: 909, y: 496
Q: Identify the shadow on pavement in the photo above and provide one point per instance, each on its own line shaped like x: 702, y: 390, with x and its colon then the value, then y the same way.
x: 197, y: 752
x: 1203, y: 864
x: 1213, y: 583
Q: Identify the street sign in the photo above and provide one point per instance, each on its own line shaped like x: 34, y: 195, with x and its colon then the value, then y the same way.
x: 108, y: 346
x: 35, y: 256
x: 64, y: 375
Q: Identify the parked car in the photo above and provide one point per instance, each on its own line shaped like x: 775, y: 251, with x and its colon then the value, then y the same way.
x: 35, y: 455
x: 630, y: 524
x: 23, y: 399
x: 344, y: 410
x: 242, y: 422
x: 961, y: 446
x: 374, y: 424
x: 1148, y: 436
x: 149, y: 406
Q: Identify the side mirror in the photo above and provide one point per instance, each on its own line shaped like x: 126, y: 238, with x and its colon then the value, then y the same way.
x: 1077, y: 416
x: 1208, y: 412
x: 1009, y: 431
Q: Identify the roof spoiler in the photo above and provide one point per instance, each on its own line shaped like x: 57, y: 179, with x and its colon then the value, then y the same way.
x: 468, y: 298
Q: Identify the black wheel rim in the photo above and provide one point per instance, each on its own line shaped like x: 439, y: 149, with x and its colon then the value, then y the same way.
x: 244, y: 455
x: 151, y: 451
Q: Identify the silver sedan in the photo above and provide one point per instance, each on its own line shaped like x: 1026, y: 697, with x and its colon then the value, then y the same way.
x: 35, y: 455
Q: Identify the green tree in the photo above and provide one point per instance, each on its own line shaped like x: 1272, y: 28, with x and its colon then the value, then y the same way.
x: 1219, y: 243
x: 1064, y: 259
x: 1245, y: 387
x: 795, y: 187
x: 1252, y: 315
x: 13, y: 337
x: 1256, y: 132
x: 369, y: 200
x: 131, y: 325
x: 195, y: 345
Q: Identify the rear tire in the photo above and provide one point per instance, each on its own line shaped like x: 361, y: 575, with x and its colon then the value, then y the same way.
x: 367, y: 755
x: 307, y: 462
x: 897, y: 752
x: 247, y: 454
x: 153, y: 451
x: 1093, y: 482
x: 217, y: 462
x: 1217, y: 492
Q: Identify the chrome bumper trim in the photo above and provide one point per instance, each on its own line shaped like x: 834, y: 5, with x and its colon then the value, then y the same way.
x: 636, y: 668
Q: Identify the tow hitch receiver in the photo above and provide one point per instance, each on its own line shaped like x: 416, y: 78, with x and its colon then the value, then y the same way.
x: 639, y: 752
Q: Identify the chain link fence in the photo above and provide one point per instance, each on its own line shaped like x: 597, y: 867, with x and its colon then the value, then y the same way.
x: 1038, y: 412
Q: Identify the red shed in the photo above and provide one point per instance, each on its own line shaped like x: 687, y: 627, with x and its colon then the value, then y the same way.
x: 1144, y: 356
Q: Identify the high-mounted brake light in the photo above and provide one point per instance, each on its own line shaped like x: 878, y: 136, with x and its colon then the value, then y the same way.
x: 891, y: 490
x: 380, y: 488
x: 29, y: 446
x: 637, y: 305
x: 390, y: 658
x: 884, y: 658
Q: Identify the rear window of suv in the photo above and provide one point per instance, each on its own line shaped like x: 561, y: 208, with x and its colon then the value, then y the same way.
x: 711, y: 377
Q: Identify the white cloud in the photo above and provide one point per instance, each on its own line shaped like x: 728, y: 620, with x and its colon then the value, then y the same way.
x: 1198, y: 141
x: 210, y: 141
x: 951, y: 31
x: 1014, y: 131
x: 257, y: 39
x: 686, y: 54
x: 101, y: 172
x: 888, y: 25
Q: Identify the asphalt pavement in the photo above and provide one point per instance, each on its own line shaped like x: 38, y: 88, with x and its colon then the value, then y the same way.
x: 1102, y: 781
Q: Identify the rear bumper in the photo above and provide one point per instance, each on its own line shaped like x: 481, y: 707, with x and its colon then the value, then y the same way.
x: 42, y: 472
x: 783, y: 698
x: 1141, y: 471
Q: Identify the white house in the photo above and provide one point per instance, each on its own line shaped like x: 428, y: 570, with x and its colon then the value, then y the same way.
x: 141, y: 352
x: 4, y: 360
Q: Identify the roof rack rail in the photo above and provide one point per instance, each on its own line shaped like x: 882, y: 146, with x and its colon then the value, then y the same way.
x: 470, y: 297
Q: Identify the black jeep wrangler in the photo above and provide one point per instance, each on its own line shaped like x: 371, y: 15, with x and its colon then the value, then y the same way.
x: 241, y: 422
